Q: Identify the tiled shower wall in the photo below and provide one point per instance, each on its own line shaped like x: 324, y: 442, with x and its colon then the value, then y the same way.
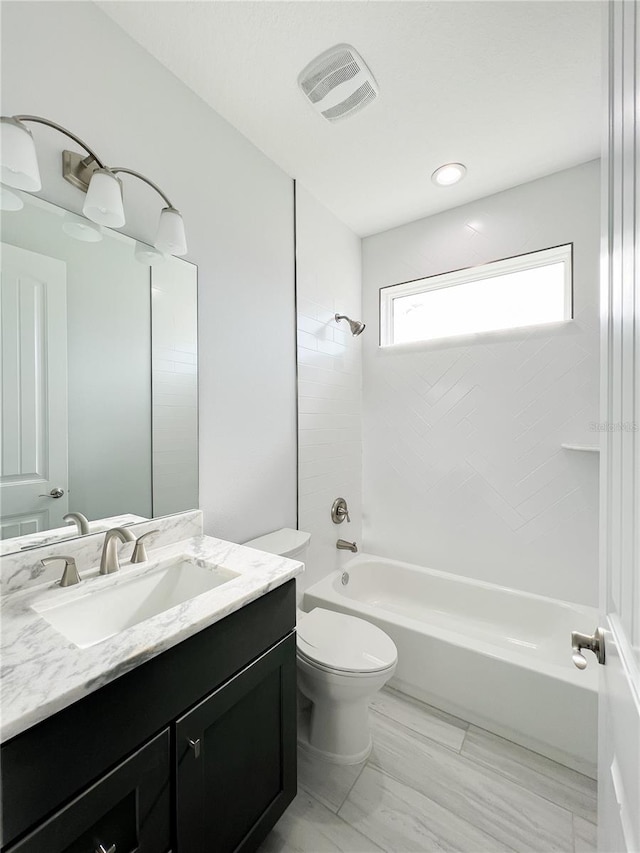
x: 463, y: 465
x: 329, y: 383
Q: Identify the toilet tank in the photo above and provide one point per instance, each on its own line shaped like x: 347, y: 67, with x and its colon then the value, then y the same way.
x: 285, y: 542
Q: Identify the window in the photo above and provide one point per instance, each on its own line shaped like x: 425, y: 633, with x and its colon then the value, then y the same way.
x: 527, y: 290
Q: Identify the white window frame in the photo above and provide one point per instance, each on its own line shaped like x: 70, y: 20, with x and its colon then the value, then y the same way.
x: 528, y: 261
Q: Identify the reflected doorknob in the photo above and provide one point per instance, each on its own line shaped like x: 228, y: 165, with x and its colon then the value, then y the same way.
x: 54, y: 493
x: 593, y: 642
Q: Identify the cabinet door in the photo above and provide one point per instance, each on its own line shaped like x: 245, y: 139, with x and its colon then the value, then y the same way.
x: 127, y: 810
x: 236, y: 757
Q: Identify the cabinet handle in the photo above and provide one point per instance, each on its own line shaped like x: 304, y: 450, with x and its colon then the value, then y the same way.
x: 102, y: 849
x: 195, y: 746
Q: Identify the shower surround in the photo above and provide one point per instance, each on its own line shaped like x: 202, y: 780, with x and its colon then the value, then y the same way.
x: 463, y: 468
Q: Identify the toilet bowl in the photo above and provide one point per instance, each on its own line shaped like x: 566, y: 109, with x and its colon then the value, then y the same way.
x: 342, y: 662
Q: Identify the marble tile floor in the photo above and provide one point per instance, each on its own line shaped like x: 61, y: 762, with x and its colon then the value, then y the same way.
x: 434, y: 782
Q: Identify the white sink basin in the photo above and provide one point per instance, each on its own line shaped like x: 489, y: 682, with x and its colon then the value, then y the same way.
x: 101, y: 613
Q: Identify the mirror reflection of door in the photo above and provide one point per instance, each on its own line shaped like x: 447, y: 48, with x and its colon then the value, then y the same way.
x: 116, y: 426
x: 33, y: 457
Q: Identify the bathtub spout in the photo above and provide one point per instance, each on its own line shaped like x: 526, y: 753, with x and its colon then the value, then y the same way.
x: 343, y: 545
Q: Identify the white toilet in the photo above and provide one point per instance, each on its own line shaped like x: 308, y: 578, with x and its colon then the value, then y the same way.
x: 342, y: 662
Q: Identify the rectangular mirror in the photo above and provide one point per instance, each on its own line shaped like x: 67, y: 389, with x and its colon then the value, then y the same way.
x: 99, y: 384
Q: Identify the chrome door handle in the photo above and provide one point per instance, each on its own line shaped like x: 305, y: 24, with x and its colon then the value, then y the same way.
x: 593, y: 642
x: 195, y: 746
x: 55, y: 493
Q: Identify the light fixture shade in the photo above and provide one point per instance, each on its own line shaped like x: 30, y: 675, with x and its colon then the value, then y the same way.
x: 148, y: 255
x: 81, y: 229
x: 9, y: 200
x: 103, y: 203
x: 171, y: 238
x: 19, y: 164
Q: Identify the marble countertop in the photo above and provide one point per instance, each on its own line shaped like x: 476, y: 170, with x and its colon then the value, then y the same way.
x: 42, y: 671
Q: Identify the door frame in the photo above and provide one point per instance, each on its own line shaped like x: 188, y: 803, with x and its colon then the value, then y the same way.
x: 619, y: 699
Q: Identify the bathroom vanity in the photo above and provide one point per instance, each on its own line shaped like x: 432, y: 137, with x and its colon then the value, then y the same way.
x: 181, y: 734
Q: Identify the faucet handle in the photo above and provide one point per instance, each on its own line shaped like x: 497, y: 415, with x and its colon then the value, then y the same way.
x: 70, y: 574
x: 139, y: 551
x: 340, y: 511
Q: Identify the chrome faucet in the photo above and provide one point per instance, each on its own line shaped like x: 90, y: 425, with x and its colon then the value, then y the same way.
x: 81, y: 521
x: 343, y: 545
x: 109, y: 562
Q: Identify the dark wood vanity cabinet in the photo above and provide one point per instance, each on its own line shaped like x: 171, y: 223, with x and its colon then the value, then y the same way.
x: 236, y: 757
x: 191, y: 752
x: 128, y: 809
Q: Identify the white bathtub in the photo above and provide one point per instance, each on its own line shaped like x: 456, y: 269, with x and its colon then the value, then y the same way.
x: 494, y: 656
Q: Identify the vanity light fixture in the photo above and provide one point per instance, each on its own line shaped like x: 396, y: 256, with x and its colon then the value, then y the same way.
x: 170, y: 237
x: 449, y: 174
x: 19, y: 161
x: 103, y: 205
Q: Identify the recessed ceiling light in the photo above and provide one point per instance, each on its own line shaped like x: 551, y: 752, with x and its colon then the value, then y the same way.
x: 449, y: 174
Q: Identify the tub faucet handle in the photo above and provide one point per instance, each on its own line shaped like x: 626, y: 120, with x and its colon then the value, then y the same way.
x: 593, y: 642
x: 340, y: 511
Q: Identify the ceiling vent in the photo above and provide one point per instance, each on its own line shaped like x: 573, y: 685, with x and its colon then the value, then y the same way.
x: 338, y: 83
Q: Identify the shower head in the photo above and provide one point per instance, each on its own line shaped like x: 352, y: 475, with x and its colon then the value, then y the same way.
x: 355, y: 325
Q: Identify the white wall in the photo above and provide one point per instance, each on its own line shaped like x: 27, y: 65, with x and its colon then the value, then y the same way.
x: 463, y: 469
x: 329, y: 383
x: 71, y: 63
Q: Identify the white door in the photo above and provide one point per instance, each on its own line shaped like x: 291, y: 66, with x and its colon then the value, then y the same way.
x: 619, y: 734
x: 33, y: 378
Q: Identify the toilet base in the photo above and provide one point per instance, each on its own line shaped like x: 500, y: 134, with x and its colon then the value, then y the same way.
x: 333, y: 758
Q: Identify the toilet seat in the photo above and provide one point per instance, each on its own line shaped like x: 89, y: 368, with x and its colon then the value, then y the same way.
x: 336, y: 642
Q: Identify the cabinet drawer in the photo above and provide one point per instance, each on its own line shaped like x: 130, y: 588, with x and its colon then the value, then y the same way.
x: 125, y: 811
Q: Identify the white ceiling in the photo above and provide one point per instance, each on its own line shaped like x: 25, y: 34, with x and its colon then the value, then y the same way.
x: 511, y: 89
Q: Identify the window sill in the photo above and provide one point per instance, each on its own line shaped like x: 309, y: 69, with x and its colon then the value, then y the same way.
x: 499, y: 336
